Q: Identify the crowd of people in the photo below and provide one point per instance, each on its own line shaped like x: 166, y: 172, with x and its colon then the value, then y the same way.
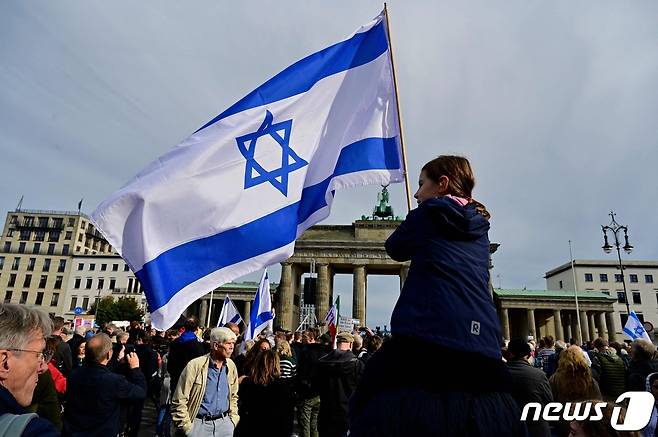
x: 443, y: 371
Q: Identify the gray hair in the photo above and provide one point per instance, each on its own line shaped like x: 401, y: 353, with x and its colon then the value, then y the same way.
x: 19, y: 323
x: 358, y: 341
x: 221, y: 335
x: 122, y: 334
x: 98, y: 347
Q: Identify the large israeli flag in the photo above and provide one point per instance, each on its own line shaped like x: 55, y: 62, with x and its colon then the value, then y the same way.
x: 634, y: 328
x: 234, y: 196
x: 261, y: 313
x: 229, y: 313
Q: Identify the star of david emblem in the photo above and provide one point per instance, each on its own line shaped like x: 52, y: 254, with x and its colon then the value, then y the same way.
x: 254, y: 173
x: 639, y: 330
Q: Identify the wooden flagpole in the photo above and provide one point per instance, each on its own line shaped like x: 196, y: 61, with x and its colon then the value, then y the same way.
x: 397, y: 103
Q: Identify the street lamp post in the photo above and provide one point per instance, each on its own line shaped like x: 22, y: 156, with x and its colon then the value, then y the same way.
x: 614, y: 228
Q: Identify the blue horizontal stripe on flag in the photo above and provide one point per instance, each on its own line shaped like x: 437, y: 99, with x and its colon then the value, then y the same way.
x: 235, y: 318
x: 302, y: 75
x: 630, y: 333
x: 179, y: 266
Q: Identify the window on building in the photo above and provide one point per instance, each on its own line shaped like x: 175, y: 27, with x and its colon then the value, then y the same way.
x: 36, y: 248
x: 16, y: 264
x: 101, y: 282
x: 28, y: 221
x: 130, y: 285
x: 74, y: 303
x: 83, y: 224
x: 92, y: 267
x: 618, y: 277
x: 10, y: 232
x: 51, y: 249
x: 30, y: 264
x: 21, y: 247
x: 589, y: 277
x: 23, y: 300
x: 636, y: 297
x: 13, y: 220
x: 65, y: 249
x: 81, y: 266
x: 633, y: 278
x: 115, y: 267
x: 12, y: 280
x: 25, y: 235
x: 113, y: 283
x: 7, y: 246
x: 27, y: 281
x: 8, y: 294
x: 86, y: 251
x: 126, y: 268
x: 71, y: 222
x: 58, y: 282
x: 2, y: 262
x: 76, y: 283
x: 42, y: 281
x: 656, y: 297
x: 39, y: 298
x: 77, y: 248
x: 39, y: 235
x: 43, y: 222
x: 88, y: 283
x: 621, y: 297
x: 648, y: 279
x: 46, y: 265
x: 103, y: 267
x: 54, y: 300
x: 62, y: 265
x: 58, y: 222
x: 79, y: 237
x: 85, y: 303
x: 603, y: 277
x: 68, y: 235
x: 53, y: 236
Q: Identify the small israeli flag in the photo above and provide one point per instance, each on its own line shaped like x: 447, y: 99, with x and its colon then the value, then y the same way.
x: 229, y: 313
x: 233, y: 197
x: 261, y: 312
x: 634, y: 328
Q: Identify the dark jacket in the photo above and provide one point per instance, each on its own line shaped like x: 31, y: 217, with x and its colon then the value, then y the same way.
x: 181, y: 351
x: 45, y: 401
x: 638, y: 372
x: 265, y: 410
x: 64, y: 358
x: 36, y: 427
x: 445, y: 298
x: 307, y: 366
x: 338, y: 375
x: 610, y: 372
x: 530, y: 385
x: 94, y: 397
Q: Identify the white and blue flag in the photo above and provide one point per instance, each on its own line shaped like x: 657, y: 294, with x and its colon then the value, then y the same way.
x: 233, y: 197
x: 635, y: 329
x: 261, y: 312
x: 229, y: 313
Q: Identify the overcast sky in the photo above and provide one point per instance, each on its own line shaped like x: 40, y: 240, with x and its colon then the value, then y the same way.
x: 554, y: 103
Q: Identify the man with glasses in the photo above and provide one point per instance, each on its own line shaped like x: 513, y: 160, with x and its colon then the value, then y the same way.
x: 22, y: 359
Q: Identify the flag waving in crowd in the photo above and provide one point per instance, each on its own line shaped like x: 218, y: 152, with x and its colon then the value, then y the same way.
x: 229, y: 313
x: 332, y: 320
x: 635, y: 329
x: 261, y: 313
x: 328, y: 121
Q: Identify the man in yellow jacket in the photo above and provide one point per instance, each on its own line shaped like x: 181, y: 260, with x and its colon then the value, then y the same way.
x: 205, y: 402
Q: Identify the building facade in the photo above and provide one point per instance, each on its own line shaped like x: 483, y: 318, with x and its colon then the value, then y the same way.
x: 36, y: 252
x: 641, y: 278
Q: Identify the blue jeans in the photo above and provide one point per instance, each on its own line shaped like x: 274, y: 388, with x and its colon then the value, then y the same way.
x: 163, y: 425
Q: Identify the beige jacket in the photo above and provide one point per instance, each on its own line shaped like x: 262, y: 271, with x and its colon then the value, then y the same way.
x: 191, y: 387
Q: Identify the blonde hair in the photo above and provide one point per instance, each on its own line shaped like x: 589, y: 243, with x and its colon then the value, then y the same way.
x: 573, y: 376
x: 283, y: 348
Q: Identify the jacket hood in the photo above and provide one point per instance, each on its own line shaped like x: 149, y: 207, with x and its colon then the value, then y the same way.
x: 461, y: 222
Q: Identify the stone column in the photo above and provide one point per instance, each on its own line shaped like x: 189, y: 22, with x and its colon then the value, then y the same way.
x: 584, y: 326
x: 203, y: 312
x: 285, y: 301
x: 574, y: 328
x: 359, y: 294
x: 567, y: 327
x: 559, y: 335
x: 404, y: 271
x: 531, y: 323
x: 610, y: 324
x: 592, y: 326
x: 247, y: 312
x: 600, y: 325
x: 505, y: 323
x: 322, y: 292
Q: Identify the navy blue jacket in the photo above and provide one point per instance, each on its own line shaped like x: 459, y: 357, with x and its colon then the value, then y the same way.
x: 445, y: 298
x: 93, y: 399
x: 36, y: 427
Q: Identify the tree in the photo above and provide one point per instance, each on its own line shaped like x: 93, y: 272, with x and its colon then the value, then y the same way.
x: 122, y: 309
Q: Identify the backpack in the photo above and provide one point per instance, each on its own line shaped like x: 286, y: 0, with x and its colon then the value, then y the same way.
x: 13, y: 425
